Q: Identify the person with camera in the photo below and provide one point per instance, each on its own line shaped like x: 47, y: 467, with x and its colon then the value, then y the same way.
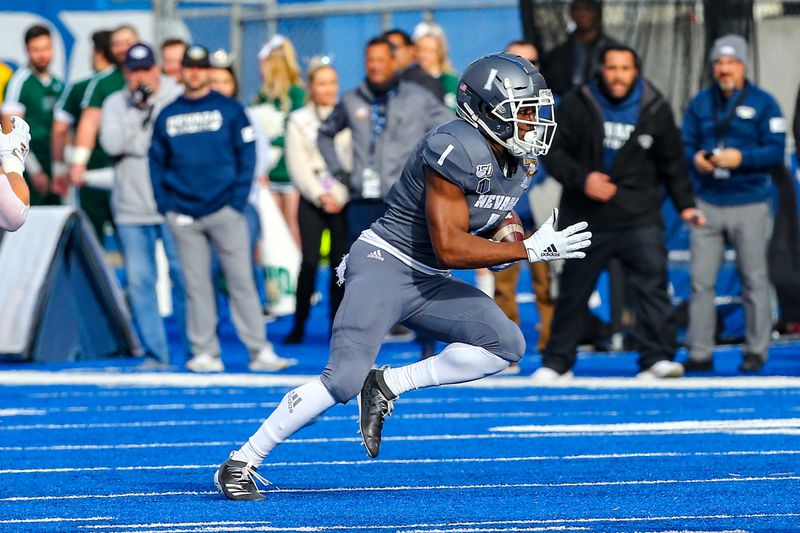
x: 127, y: 125
x: 733, y: 134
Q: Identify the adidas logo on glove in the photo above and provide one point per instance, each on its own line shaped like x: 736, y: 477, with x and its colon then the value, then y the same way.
x: 550, y: 251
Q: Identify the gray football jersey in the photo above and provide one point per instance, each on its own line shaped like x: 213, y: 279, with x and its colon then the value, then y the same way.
x: 462, y: 155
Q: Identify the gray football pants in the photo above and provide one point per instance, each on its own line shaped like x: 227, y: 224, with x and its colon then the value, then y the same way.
x: 227, y: 230
x: 380, y: 293
x: 746, y: 228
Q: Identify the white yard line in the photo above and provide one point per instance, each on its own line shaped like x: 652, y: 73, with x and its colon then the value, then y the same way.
x: 50, y: 520
x: 456, y: 460
x: 420, y: 488
x: 409, y: 528
x: 679, y: 425
x: 181, y: 379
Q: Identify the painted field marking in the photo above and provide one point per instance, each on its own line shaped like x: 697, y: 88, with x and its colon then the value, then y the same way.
x: 408, y: 528
x: 182, y: 379
x: 415, y: 488
x: 680, y: 425
x: 49, y: 520
x: 400, y: 438
x: 452, y: 460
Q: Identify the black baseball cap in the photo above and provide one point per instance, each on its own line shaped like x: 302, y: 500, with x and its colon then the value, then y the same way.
x: 139, y: 56
x: 196, y: 56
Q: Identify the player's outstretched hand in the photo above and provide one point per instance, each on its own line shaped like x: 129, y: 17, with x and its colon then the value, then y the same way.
x: 547, y: 244
x: 14, y: 146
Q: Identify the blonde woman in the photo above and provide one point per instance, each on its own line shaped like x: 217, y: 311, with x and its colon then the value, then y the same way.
x: 281, y: 93
x: 322, y: 197
x: 433, y: 57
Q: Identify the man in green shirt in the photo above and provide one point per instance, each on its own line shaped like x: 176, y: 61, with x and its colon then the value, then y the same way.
x: 31, y: 94
x: 102, y: 85
x: 94, y: 201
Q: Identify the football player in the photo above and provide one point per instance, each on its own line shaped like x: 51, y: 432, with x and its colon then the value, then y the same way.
x: 460, y: 181
x: 14, y: 192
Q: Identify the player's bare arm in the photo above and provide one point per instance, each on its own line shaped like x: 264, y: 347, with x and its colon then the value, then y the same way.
x: 448, y: 222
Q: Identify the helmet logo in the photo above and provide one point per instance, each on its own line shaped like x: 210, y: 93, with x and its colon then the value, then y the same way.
x: 492, y: 75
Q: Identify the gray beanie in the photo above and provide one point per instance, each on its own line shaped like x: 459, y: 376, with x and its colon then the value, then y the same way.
x: 729, y: 45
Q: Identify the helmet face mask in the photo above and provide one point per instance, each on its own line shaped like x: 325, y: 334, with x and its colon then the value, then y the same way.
x: 533, y: 123
x: 505, y: 96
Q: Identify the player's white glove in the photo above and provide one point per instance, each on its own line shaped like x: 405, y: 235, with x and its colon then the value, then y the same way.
x: 14, y: 146
x: 547, y: 244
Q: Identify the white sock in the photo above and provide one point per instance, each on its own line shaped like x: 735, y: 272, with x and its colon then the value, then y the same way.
x: 458, y: 363
x: 298, y: 408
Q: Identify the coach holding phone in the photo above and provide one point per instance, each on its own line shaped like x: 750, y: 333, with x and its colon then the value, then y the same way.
x: 733, y: 133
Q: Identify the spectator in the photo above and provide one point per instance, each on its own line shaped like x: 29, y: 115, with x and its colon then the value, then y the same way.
x: 31, y: 94
x: 505, y: 292
x: 202, y: 160
x: 172, y: 51
x: 103, y: 84
x: 574, y: 61
x: 223, y: 80
x: 405, y: 53
x: 94, y: 201
x: 615, y: 181
x: 381, y: 144
x: 281, y: 93
x: 126, y: 129
x: 733, y: 134
x: 433, y: 57
x: 323, y: 198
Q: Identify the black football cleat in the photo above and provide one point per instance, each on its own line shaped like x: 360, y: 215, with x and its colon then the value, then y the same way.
x: 236, y: 480
x: 375, y: 402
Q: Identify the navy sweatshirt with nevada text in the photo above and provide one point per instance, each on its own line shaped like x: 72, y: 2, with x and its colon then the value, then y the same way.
x: 202, y: 156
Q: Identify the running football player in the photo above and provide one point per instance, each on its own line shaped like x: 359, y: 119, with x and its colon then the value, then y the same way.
x: 461, y: 181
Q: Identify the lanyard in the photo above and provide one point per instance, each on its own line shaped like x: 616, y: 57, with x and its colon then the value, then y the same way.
x: 722, y: 124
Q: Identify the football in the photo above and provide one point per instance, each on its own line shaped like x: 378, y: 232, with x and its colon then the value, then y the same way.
x: 509, y: 230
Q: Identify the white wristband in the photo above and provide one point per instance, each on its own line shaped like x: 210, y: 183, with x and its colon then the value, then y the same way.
x: 81, y: 155
x: 12, y: 164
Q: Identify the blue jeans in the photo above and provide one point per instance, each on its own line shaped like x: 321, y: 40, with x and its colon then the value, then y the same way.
x: 139, y: 249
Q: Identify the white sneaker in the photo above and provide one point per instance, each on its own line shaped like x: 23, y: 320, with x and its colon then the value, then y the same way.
x: 661, y: 370
x: 548, y: 375
x: 204, y: 362
x: 268, y: 361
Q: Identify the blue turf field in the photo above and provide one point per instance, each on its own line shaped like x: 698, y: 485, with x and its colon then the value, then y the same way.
x: 131, y: 452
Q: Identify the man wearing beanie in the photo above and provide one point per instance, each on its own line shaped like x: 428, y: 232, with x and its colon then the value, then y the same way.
x: 202, y: 159
x: 733, y: 133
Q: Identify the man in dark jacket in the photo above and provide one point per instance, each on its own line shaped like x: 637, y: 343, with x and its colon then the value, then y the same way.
x: 574, y: 61
x: 615, y: 150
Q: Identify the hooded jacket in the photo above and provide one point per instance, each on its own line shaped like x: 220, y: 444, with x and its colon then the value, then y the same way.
x: 647, y: 163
